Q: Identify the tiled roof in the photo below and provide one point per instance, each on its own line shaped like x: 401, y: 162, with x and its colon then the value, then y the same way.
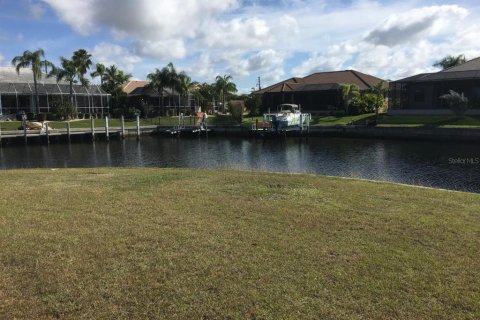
x: 131, y: 86
x: 467, y: 70
x: 324, y: 81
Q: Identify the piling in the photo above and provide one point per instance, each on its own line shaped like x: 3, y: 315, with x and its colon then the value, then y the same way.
x: 123, y: 126
x: 138, y: 127
x: 25, y: 130
x: 68, y: 131
x: 107, y: 133
x: 92, y: 126
x: 46, y: 133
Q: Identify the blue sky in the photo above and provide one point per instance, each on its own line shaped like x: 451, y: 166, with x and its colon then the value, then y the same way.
x: 271, y: 39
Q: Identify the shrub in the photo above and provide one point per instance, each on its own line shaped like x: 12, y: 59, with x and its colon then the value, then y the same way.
x: 41, y: 117
x: 19, y: 116
x: 458, y: 103
x: 236, y: 110
x: 52, y: 117
x: 80, y: 115
x: 30, y: 116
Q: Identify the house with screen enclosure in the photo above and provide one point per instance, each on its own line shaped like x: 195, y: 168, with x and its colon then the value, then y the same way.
x: 317, y: 93
x: 420, y: 94
x: 169, y: 102
x: 17, y: 94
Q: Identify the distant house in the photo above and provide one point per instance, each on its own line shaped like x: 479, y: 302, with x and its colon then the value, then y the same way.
x: 317, y: 93
x: 17, y: 93
x: 420, y: 94
x: 169, y: 102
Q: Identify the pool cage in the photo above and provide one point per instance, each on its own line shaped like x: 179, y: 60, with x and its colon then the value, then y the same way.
x: 20, y: 96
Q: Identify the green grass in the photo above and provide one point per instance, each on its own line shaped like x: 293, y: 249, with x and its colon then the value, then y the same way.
x: 444, y: 121
x: 196, y: 244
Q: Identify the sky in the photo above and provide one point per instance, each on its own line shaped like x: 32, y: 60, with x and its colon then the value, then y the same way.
x: 247, y: 39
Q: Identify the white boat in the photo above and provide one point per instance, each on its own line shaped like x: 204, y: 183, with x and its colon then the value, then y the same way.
x: 288, y: 115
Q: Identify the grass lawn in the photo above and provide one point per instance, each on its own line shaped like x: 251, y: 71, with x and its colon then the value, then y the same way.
x: 444, y: 121
x: 196, y: 244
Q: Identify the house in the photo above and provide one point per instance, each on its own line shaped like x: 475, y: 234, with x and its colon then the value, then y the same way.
x: 168, y: 103
x: 420, y: 94
x: 317, y: 93
x: 17, y: 93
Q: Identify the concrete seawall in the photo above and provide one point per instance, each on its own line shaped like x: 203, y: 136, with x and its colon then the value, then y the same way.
x: 406, y: 133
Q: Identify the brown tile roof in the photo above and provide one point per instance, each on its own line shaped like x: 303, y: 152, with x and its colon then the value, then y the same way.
x: 324, y: 81
x: 130, y: 86
x: 467, y: 70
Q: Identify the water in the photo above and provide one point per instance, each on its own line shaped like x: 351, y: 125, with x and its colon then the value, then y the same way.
x: 453, y: 166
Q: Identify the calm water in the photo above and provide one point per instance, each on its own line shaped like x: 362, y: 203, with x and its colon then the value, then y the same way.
x: 443, y: 165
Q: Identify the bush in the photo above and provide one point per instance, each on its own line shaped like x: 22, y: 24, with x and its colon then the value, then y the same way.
x: 31, y: 116
x: 52, y: 117
x: 236, y: 110
x: 19, y: 116
x: 80, y: 116
x: 41, y: 117
x: 458, y: 103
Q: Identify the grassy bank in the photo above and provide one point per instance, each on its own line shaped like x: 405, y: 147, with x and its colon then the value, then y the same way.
x: 194, y: 244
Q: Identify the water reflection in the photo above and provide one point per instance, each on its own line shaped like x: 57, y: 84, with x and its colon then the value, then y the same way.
x: 421, y: 163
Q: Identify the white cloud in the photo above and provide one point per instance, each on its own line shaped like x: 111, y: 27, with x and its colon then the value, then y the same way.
x: 414, y: 24
x: 404, y: 45
x: 36, y: 10
x: 108, y: 54
x: 3, y: 62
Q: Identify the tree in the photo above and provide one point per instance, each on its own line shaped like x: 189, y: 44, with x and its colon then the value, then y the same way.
x: 458, y: 103
x: 171, y: 78
x: 82, y: 60
x: 205, y: 94
x: 450, y: 61
x: 224, y: 87
x: 379, y: 90
x: 100, y: 71
x: 34, y: 61
x: 113, y: 80
x: 349, y: 91
x: 69, y: 73
x: 74, y: 70
x: 158, y: 82
x: 185, y: 86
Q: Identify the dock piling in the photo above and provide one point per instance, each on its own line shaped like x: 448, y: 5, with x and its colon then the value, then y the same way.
x: 107, y: 133
x: 68, y: 131
x: 92, y: 126
x: 46, y: 133
x: 138, y: 127
x: 123, y: 126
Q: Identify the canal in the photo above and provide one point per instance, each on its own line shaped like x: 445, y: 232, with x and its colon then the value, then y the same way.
x: 454, y: 166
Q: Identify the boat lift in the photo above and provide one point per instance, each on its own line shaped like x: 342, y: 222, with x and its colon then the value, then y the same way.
x: 267, y: 127
x: 199, y: 128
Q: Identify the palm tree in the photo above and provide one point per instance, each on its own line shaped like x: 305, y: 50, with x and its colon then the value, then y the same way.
x: 185, y: 86
x: 379, y: 90
x: 171, y: 78
x: 83, y: 61
x: 34, y: 61
x: 349, y: 91
x: 69, y: 73
x: 100, y: 70
x: 450, y: 61
x: 158, y: 82
x: 225, y: 87
x: 114, y: 78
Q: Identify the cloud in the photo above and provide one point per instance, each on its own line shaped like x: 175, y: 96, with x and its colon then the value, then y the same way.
x: 412, y: 25
x: 433, y: 32
x: 36, y: 10
x: 108, y: 54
